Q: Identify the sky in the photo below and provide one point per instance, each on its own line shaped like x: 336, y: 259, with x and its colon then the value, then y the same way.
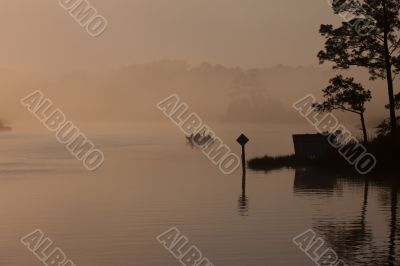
x: 40, y: 36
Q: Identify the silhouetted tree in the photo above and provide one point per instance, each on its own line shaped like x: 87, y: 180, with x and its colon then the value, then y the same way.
x: 397, y: 101
x: 346, y: 95
x: 383, y: 128
x: 370, y: 39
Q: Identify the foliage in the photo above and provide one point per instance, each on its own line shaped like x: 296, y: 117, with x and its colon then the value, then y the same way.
x: 344, y: 94
x: 370, y: 39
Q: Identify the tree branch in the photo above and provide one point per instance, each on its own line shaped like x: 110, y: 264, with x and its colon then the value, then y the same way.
x: 346, y: 109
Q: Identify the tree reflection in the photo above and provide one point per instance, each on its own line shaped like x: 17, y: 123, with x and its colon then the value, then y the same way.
x: 352, y: 237
x: 393, y: 226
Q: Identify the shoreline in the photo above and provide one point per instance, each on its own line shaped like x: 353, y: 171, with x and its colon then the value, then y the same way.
x: 330, y: 163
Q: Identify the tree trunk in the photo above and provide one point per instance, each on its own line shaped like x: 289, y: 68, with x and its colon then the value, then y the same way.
x: 364, y: 128
x: 389, y: 76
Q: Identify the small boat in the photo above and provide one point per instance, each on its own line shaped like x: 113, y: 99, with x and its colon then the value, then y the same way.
x: 4, y: 128
x: 199, y: 139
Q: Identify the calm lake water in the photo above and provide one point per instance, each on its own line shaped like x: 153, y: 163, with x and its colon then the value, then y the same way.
x: 111, y: 217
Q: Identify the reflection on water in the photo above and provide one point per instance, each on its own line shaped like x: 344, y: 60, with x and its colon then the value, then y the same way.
x: 112, y: 216
x: 353, y: 237
x: 314, y: 182
x: 243, y: 206
x: 393, y: 225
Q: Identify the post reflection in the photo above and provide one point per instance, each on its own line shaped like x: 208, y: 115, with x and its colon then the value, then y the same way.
x: 243, y: 202
x: 243, y: 205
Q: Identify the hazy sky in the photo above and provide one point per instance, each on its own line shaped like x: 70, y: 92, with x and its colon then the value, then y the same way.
x: 38, y: 35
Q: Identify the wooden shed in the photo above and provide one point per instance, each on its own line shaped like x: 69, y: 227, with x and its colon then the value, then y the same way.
x: 310, y: 145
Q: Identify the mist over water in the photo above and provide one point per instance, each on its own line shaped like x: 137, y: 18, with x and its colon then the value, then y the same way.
x: 153, y: 181
x: 238, y: 67
x: 128, y: 96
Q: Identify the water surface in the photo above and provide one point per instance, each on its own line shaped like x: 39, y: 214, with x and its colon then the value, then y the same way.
x: 147, y: 185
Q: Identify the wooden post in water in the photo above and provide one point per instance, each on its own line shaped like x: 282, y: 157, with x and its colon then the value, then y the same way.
x: 244, y: 169
x: 242, y: 140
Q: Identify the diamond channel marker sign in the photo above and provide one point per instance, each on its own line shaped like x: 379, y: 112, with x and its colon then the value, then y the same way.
x: 242, y: 139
